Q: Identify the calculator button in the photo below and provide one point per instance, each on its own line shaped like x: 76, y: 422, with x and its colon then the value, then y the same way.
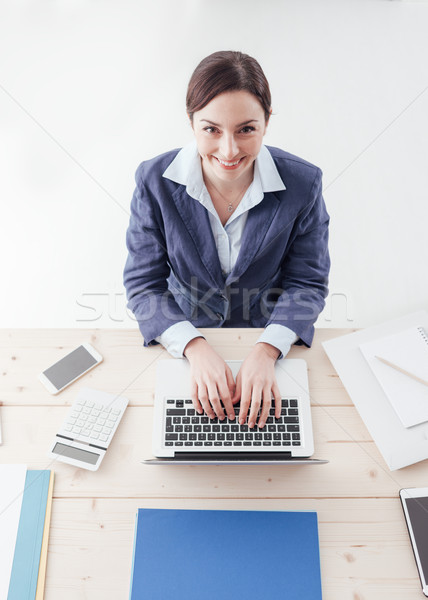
x: 101, y: 421
x: 104, y: 415
x: 92, y: 420
x: 85, y: 432
x: 95, y: 435
x: 98, y: 406
x: 113, y: 417
x: 110, y: 424
x: 103, y: 438
x: 86, y: 410
x: 75, y: 414
x: 115, y: 411
x: 98, y: 428
x: 95, y: 412
x: 71, y: 421
x: 106, y: 430
x: 90, y: 404
x: 80, y: 423
x: 89, y: 425
x: 83, y: 417
x: 76, y: 430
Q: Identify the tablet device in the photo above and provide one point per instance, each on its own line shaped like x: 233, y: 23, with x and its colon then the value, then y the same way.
x: 415, y: 507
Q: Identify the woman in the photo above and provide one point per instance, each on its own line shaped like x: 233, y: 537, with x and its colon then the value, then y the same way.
x: 227, y: 232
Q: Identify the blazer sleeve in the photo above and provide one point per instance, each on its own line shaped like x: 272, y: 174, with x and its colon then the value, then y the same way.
x: 147, y: 267
x: 305, y: 269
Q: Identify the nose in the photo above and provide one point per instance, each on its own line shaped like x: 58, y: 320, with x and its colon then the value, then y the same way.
x: 228, y: 147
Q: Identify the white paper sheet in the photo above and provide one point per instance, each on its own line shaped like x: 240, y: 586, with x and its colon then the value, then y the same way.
x: 12, y: 484
x: 400, y: 446
x: 409, y: 350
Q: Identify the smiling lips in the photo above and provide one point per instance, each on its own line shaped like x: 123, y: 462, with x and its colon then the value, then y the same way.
x: 229, y: 165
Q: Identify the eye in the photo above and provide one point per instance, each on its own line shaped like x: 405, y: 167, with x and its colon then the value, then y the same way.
x: 211, y: 129
x: 247, y: 129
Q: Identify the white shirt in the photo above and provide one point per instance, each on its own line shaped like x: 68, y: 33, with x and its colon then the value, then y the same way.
x: 186, y: 169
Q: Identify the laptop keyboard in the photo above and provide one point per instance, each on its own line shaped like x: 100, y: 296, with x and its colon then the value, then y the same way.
x: 185, y: 427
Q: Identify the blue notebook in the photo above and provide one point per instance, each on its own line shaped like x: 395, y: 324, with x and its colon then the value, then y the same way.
x: 213, y: 554
x: 25, y: 568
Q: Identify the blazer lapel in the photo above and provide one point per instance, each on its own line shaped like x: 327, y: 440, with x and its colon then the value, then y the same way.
x: 258, y: 222
x: 195, y: 218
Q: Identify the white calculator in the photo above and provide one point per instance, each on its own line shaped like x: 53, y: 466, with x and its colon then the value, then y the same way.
x: 88, y: 429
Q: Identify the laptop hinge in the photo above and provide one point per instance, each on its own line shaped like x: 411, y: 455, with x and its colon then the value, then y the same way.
x: 219, y: 456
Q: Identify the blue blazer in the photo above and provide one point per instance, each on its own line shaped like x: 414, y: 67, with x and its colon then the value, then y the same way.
x: 173, y: 272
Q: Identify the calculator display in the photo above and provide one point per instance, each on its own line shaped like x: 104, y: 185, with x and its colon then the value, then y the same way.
x: 76, y: 453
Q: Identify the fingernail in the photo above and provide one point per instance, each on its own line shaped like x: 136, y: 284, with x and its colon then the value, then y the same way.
x: 241, y: 421
x: 261, y: 424
x: 251, y: 424
x: 232, y: 416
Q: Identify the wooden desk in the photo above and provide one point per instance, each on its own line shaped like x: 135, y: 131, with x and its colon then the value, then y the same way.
x: 365, y: 550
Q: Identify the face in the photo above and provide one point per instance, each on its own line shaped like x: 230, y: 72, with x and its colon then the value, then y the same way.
x: 229, y: 133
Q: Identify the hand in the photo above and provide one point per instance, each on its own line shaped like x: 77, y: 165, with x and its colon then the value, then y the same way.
x: 211, y: 379
x: 256, y: 381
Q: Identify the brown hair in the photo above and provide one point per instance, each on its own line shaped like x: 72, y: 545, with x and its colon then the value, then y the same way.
x: 227, y: 71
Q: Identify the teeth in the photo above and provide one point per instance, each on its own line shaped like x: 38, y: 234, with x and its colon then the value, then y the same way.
x: 228, y: 164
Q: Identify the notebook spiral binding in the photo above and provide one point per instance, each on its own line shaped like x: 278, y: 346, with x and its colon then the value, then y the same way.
x: 423, y: 334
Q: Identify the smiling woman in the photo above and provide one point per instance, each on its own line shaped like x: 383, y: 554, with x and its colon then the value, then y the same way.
x: 228, y: 147
x: 228, y: 232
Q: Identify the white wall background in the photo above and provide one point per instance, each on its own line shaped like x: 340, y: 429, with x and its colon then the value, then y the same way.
x: 88, y: 89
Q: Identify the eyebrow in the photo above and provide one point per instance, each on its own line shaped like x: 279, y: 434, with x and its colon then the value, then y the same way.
x: 239, y: 125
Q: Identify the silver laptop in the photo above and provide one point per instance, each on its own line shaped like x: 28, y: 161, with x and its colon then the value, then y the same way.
x: 182, y: 436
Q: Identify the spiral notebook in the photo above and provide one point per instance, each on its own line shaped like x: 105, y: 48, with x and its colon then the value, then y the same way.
x: 409, y: 350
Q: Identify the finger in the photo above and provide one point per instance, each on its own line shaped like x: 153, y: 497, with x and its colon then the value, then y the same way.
x: 278, y: 401
x: 227, y: 402
x: 267, y: 401
x: 245, y: 404
x: 194, y: 396
x: 237, y: 395
x: 230, y: 383
x: 203, y: 399
x: 215, y: 402
x: 255, y: 406
x: 226, y: 399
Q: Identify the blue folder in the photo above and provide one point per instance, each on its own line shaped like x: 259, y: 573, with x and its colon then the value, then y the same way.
x: 26, y: 560
x: 214, y: 554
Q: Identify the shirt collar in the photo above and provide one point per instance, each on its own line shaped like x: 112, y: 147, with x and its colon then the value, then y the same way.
x: 186, y: 169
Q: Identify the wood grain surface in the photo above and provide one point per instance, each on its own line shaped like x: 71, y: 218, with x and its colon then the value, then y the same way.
x: 365, y: 550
